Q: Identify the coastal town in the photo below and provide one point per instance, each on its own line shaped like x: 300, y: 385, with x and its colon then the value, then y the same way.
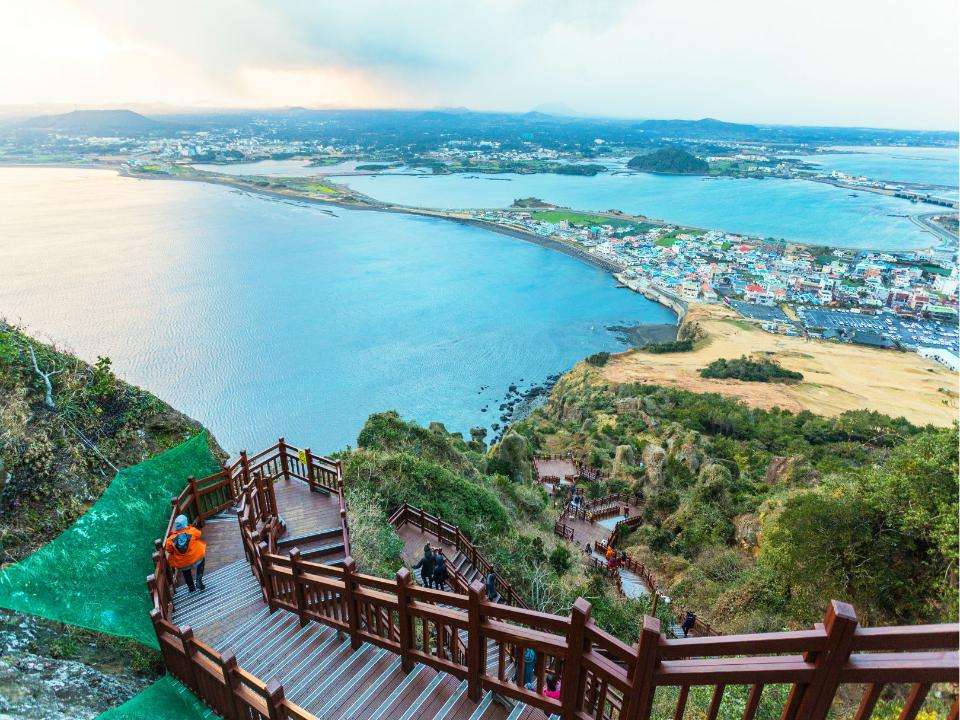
x: 904, y: 300
x: 907, y: 301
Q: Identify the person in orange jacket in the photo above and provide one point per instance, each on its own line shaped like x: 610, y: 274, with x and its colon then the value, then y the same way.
x: 186, y: 552
x: 611, y: 556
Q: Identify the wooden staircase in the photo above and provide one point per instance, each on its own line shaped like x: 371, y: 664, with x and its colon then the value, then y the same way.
x: 323, y: 546
x: 317, y: 666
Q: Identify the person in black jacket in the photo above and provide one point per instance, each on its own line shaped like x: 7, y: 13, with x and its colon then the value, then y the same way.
x: 491, y: 586
x: 439, y: 570
x: 426, y: 565
x: 689, y: 620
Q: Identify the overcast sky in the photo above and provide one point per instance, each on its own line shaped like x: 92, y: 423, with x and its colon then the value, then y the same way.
x: 846, y: 62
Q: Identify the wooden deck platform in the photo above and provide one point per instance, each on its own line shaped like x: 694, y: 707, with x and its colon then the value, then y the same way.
x: 303, y: 511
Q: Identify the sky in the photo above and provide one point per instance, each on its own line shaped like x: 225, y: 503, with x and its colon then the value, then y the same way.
x: 880, y: 63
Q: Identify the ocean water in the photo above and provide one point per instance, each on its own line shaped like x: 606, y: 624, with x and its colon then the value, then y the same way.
x: 796, y: 210
x: 263, y: 318
x: 925, y: 165
x: 279, y: 168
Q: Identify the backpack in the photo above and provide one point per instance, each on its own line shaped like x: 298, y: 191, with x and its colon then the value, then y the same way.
x: 181, y: 542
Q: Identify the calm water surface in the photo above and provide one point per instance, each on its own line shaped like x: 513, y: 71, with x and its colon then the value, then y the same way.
x: 928, y: 165
x: 261, y: 317
x: 280, y: 168
x: 795, y: 210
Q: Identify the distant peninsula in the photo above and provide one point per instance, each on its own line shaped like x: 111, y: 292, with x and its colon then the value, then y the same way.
x: 669, y: 160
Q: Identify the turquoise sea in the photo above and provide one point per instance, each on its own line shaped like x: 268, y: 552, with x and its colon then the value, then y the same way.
x: 262, y: 317
x: 923, y: 165
x: 796, y: 210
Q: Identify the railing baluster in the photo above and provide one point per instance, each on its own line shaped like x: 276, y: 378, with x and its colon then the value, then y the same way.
x: 753, y: 701
x: 715, y: 701
x: 682, y: 703
x: 918, y: 693
x: 869, y: 701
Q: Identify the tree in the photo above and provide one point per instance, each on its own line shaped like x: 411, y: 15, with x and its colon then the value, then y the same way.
x: 45, y: 376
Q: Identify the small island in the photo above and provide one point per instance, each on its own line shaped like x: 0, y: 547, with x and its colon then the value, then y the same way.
x: 671, y: 161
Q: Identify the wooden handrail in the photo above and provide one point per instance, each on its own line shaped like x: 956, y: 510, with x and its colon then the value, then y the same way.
x: 602, y: 677
x: 447, y: 532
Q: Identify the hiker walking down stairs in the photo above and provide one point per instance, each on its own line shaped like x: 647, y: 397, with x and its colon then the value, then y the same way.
x: 186, y: 552
x: 425, y: 566
x: 439, y: 570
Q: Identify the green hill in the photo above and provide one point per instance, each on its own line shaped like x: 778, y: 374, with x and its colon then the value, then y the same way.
x: 669, y: 160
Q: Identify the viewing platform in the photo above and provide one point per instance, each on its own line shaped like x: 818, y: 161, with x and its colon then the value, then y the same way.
x: 288, y: 627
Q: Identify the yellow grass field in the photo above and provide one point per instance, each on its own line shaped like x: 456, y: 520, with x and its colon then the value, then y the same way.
x: 837, y: 376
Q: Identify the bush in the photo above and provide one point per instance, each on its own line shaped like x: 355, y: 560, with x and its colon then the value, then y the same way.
x: 560, y: 559
x: 669, y: 347
x: 744, y: 368
x: 599, y: 359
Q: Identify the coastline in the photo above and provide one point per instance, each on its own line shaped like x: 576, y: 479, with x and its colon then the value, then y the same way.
x: 364, y: 202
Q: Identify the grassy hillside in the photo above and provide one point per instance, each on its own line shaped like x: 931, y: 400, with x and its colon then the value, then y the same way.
x: 755, y: 518
x: 489, y: 495
x: 57, y: 454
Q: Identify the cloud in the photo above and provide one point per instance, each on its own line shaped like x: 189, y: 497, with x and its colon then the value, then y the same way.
x: 881, y: 62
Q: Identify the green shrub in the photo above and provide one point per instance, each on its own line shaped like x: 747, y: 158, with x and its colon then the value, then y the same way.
x: 599, y: 359
x: 560, y: 559
x: 669, y: 347
x: 744, y: 368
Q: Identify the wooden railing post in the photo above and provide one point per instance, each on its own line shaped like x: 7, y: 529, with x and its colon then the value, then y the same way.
x: 570, y: 696
x: 265, y: 579
x: 299, y: 593
x: 275, y: 707
x: 406, y: 626
x: 284, y: 462
x: 228, y: 663
x: 244, y: 468
x: 192, y: 482
x: 639, y: 699
x: 423, y: 520
x: 310, y: 479
x: 474, y: 643
x: 840, y: 624
x: 272, y: 494
x: 349, y: 592
x: 186, y: 637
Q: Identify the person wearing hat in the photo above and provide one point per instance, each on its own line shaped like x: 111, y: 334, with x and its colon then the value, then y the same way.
x: 186, y: 552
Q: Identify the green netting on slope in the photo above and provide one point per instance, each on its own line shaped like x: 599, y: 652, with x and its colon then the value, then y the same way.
x: 93, y: 575
x: 166, y: 699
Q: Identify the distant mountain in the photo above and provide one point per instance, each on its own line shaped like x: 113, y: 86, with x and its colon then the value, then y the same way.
x: 557, y: 108
x: 706, y: 127
x: 94, y: 122
x: 669, y: 160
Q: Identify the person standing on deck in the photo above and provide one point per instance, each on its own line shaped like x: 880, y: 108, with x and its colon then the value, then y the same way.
x: 425, y: 566
x: 439, y: 570
x: 186, y: 552
x: 689, y: 620
x: 491, y: 586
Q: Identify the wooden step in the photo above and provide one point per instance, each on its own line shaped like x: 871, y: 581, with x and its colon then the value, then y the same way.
x: 320, y: 551
x: 309, y: 537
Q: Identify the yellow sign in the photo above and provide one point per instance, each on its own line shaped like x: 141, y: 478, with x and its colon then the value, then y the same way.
x: 302, y: 456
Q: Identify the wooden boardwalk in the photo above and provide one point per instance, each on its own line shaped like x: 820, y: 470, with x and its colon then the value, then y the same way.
x: 317, y: 666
